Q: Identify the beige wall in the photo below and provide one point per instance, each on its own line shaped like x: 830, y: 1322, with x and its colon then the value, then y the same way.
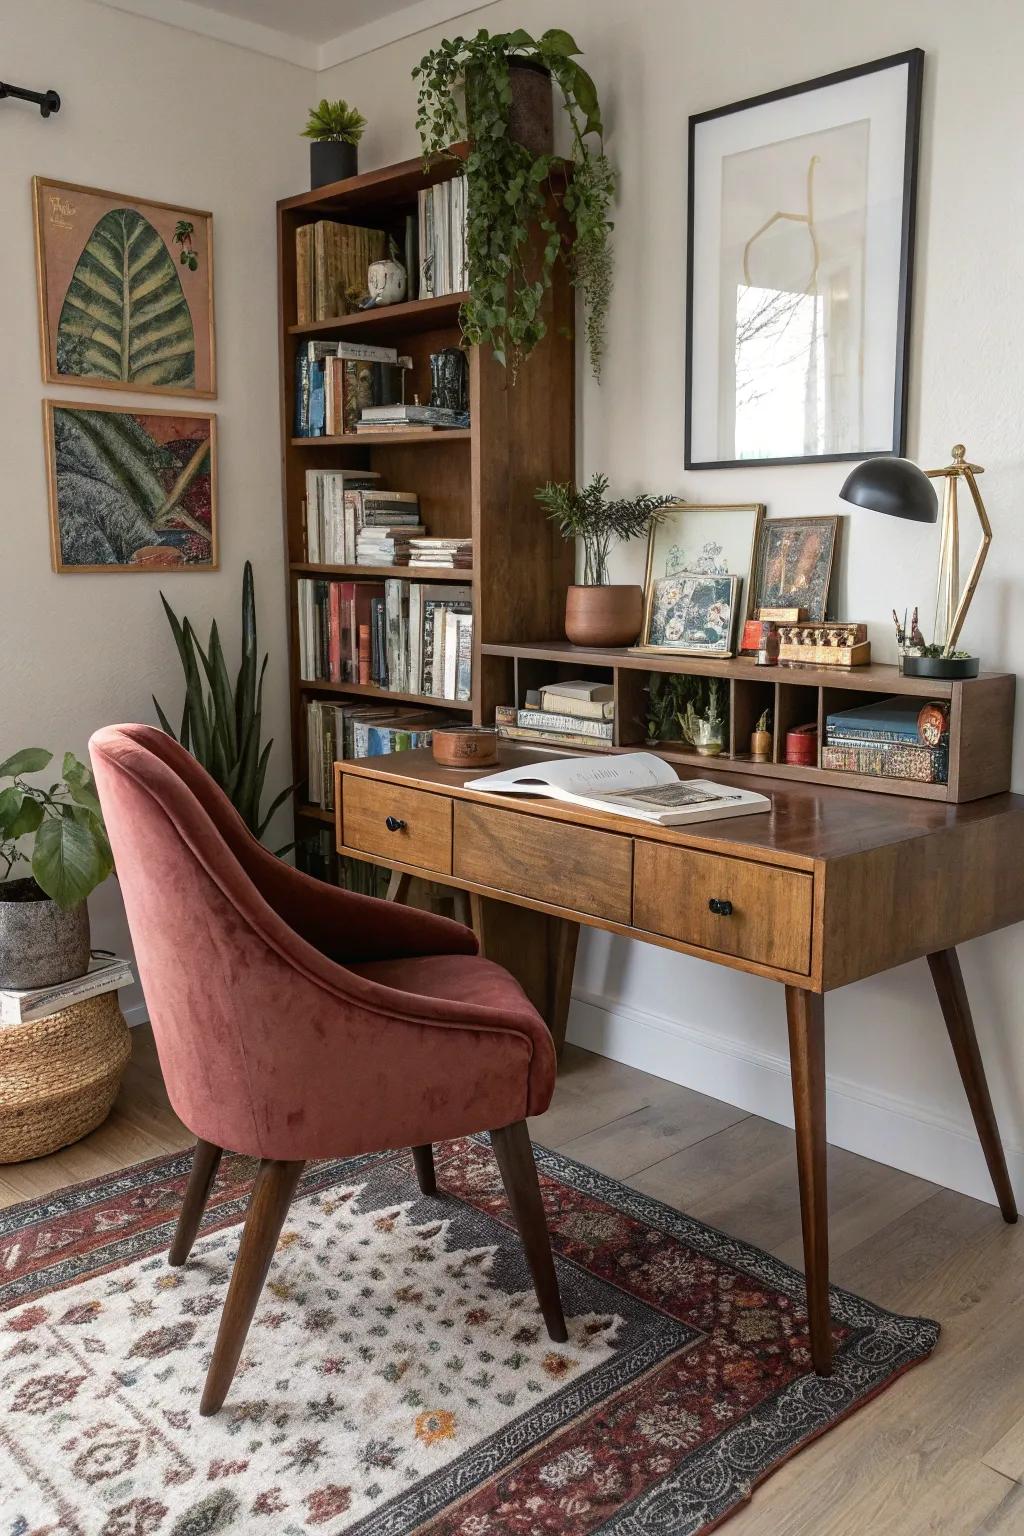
x: 894, y: 1093
x: 158, y: 112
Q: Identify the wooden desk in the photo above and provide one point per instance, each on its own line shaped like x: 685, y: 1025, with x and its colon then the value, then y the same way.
x: 830, y: 886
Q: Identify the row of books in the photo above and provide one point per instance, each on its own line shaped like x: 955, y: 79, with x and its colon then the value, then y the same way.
x: 577, y: 713
x: 408, y: 637
x: 336, y: 381
x: 331, y: 263
x: 340, y: 731
x: 443, y: 258
x: 315, y: 855
x: 399, y: 417
x: 883, y: 740
x: 344, y: 505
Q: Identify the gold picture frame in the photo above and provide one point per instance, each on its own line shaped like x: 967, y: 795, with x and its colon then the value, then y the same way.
x: 795, y: 560
x: 100, y: 258
x: 717, y: 540
x: 140, y: 490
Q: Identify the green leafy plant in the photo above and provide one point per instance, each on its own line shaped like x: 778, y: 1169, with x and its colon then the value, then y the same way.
x: 708, y: 716
x: 70, y: 852
x: 220, y: 724
x: 336, y: 122
x: 508, y: 187
x: 125, y: 316
x: 933, y: 651
x: 675, y: 701
x: 586, y: 513
x: 764, y: 721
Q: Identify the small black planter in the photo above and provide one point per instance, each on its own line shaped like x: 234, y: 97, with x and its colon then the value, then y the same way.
x: 330, y: 161
x: 941, y: 666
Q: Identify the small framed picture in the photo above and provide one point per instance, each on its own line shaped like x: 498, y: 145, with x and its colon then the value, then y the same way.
x: 130, y: 488
x: 713, y: 541
x: 692, y: 613
x: 795, y: 556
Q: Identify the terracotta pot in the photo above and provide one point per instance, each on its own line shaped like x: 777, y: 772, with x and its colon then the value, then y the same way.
x: 603, y: 615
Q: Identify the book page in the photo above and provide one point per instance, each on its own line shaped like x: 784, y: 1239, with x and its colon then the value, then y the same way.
x: 564, y: 777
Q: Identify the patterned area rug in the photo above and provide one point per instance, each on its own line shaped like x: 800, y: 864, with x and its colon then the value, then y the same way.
x: 397, y: 1377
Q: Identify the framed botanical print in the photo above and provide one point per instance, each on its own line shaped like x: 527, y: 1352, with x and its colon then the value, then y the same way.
x: 795, y: 556
x: 800, y: 256
x: 710, y: 541
x: 692, y: 614
x: 125, y: 291
x: 131, y: 489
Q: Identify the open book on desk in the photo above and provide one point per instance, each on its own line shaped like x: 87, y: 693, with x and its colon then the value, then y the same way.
x: 631, y: 784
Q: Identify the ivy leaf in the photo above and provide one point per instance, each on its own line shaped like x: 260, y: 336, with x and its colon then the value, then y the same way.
x: 28, y: 760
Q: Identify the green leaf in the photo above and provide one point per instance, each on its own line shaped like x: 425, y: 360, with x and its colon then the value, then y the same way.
x: 165, y: 724
x: 124, y: 315
x: 81, y: 784
x: 28, y: 760
x: 274, y: 804
x: 557, y: 41
x: 585, y: 92
x: 68, y: 860
x: 19, y: 812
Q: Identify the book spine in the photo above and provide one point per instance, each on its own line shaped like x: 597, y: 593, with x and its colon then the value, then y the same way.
x: 868, y: 735
x: 580, y: 709
x: 566, y: 739
x: 363, y: 352
x: 23, y: 1009
x: 924, y: 765
x: 547, y: 720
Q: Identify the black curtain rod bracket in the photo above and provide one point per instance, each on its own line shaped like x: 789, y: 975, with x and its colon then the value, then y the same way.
x: 47, y: 101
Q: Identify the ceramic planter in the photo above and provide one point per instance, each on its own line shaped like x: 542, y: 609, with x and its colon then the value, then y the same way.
x: 386, y: 282
x: 40, y: 943
x: 941, y: 666
x: 603, y: 615
x: 330, y: 161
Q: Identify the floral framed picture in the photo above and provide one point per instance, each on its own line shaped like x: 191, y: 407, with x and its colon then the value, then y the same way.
x: 707, y: 540
x: 800, y: 247
x: 131, y: 489
x: 691, y: 613
x: 795, y: 556
x: 125, y: 291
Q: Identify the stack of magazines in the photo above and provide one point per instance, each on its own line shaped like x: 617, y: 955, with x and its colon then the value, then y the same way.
x: 106, y: 973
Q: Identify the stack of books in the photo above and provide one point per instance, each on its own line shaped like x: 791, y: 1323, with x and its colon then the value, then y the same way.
x: 407, y: 637
x: 386, y: 545
x: 341, y: 731
x: 331, y: 262
x: 578, y: 713
x: 343, y: 504
x: 443, y: 260
x: 105, y: 974
x: 395, y: 416
x: 441, y: 554
x: 882, y: 741
x: 335, y: 381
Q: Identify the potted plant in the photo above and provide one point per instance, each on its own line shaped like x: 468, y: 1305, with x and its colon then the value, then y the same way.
x: 44, y: 921
x: 495, y: 91
x: 761, y: 738
x: 335, y: 129
x: 597, y: 612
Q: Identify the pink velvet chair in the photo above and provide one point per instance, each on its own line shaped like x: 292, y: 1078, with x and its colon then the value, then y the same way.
x: 294, y: 1020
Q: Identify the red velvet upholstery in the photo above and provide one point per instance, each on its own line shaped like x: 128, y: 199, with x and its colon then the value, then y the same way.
x: 294, y: 1020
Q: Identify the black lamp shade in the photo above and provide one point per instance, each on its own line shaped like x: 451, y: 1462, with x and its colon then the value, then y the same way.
x: 893, y: 486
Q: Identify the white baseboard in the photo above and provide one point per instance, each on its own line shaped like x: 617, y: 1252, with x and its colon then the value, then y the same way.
x: 135, y: 1015
x: 881, y: 1126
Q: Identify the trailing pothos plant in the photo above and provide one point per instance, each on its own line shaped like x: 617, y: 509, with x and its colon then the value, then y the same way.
x: 508, y: 187
x: 222, y: 727
x: 70, y: 854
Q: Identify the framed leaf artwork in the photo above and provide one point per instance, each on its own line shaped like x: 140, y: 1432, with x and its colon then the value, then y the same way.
x: 125, y: 291
x: 131, y: 489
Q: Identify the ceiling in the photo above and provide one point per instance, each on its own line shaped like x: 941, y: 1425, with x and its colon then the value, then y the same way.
x: 314, y: 33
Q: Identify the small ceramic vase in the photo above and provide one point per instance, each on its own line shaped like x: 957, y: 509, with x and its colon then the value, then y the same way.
x: 387, y: 282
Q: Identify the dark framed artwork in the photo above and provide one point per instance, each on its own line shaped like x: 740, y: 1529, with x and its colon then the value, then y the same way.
x: 131, y: 488
x: 125, y: 291
x: 795, y: 556
x: 800, y: 245
x: 691, y: 613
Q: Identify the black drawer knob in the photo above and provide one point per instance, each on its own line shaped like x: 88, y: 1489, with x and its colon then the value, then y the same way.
x: 720, y: 908
x: 393, y: 824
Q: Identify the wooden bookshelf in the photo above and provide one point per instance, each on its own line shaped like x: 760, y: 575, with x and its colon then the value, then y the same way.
x: 478, y: 482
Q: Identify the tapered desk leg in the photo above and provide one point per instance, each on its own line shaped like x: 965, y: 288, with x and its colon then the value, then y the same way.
x: 805, y: 1013
x: 562, y: 961
x: 398, y: 887
x: 956, y: 1010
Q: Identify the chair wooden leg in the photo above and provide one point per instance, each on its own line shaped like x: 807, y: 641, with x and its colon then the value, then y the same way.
x: 423, y: 1157
x: 398, y: 887
x: 805, y: 1012
x: 514, y: 1153
x: 268, y: 1206
x: 205, y: 1162
x: 956, y: 1010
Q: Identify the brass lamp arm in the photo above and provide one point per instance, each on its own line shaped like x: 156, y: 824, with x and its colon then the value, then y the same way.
x: 967, y: 472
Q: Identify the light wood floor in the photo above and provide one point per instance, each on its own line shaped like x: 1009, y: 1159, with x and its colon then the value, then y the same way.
x: 940, y: 1451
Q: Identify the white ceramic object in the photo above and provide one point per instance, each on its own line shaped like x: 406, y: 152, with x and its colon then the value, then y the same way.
x: 387, y: 282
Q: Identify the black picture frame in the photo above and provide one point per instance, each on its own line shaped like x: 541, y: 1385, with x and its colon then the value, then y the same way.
x: 913, y: 61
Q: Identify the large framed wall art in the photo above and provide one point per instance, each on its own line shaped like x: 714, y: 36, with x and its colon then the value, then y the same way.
x: 800, y: 255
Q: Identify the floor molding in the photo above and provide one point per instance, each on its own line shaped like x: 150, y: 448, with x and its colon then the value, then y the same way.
x: 881, y: 1126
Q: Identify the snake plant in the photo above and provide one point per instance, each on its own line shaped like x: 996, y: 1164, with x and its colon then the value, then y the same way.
x: 222, y: 727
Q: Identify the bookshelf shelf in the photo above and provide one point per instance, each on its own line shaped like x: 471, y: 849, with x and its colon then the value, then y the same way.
x: 387, y: 695
x: 384, y: 572
x: 408, y: 318
x: 380, y: 439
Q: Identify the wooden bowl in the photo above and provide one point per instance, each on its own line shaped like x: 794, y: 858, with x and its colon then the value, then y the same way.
x: 465, y: 746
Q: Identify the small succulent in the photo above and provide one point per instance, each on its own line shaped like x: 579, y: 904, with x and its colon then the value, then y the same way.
x: 336, y: 122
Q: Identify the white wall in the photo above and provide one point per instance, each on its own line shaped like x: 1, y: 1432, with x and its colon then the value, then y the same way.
x: 894, y: 1093
x: 152, y: 111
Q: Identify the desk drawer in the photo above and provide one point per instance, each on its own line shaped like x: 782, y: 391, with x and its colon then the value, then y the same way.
x: 551, y: 861
x: 424, y: 836
x: 770, y: 920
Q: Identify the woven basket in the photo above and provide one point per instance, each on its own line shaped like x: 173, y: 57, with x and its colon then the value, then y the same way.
x: 59, y: 1076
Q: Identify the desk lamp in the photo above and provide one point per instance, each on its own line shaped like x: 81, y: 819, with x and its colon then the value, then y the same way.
x: 898, y: 488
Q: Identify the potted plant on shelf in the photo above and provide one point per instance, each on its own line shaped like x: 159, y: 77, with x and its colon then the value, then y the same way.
x: 596, y: 611
x: 335, y: 129
x: 44, y: 921
x: 495, y: 91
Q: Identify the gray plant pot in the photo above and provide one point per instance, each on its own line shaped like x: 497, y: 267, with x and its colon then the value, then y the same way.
x: 40, y: 944
x: 330, y: 161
